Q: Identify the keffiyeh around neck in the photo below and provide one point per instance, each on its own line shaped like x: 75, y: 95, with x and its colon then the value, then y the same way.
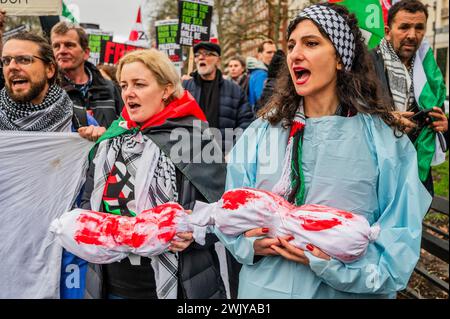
x: 292, y: 182
x: 54, y: 114
x: 399, y: 77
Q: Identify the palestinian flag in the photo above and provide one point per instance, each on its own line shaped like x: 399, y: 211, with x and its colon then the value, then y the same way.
x: 66, y: 13
x: 429, y: 84
x: 429, y: 91
x: 370, y: 18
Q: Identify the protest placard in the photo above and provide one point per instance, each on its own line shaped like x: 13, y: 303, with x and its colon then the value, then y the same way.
x: 111, y: 52
x: 194, y: 21
x: 32, y: 7
x: 166, y: 41
x: 95, y: 43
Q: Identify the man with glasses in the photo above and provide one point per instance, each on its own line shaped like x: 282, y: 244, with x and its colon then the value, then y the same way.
x: 225, y: 106
x: 32, y: 100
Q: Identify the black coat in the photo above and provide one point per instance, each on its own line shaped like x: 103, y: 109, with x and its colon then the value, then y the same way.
x: 103, y: 97
x: 234, y: 112
x: 199, y: 271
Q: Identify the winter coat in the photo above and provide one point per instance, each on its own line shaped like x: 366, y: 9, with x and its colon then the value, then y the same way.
x: 199, y: 272
x: 103, y: 97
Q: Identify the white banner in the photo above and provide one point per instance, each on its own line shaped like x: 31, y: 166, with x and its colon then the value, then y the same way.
x: 40, y: 176
x: 32, y: 7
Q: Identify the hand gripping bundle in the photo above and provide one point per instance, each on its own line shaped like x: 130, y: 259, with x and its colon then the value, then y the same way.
x: 106, y: 238
x: 339, y: 234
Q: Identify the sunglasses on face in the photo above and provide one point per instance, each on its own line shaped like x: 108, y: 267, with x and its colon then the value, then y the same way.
x: 20, y: 59
x: 205, y: 53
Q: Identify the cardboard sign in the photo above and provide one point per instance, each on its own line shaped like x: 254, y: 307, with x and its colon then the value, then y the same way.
x: 32, y: 7
x: 194, y: 21
x: 95, y: 43
x: 112, y: 51
x: 166, y: 39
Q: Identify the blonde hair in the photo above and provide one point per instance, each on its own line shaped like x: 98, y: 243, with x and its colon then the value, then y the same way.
x: 159, y: 64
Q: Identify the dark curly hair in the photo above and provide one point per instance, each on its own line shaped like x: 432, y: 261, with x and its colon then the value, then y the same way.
x: 358, y: 90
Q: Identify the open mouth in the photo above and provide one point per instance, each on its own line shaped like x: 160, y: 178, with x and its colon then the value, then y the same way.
x: 18, y: 82
x: 133, y: 105
x: 301, y: 75
x: 202, y: 64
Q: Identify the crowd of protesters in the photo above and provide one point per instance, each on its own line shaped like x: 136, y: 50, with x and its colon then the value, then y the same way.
x: 346, y: 137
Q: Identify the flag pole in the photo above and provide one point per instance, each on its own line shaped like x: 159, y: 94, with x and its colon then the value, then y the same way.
x: 191, y: 61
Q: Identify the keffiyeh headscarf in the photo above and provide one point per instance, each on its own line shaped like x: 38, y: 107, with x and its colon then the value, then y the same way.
x: 291, y: 184
x: 337, y: 30
x: 54, y: 114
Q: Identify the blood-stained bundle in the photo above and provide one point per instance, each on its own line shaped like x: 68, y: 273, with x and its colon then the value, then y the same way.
x: 340, y: 234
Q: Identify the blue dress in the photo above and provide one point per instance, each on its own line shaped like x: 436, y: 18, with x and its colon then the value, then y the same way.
x: 355, y: 164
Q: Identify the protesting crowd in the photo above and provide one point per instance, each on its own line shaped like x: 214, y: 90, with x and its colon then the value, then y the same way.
x: 298, y: 174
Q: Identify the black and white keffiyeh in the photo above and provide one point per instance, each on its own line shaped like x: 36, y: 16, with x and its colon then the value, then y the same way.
x: 54, y: 114
x: 399, y: 77
x: 154, y: 179
x: 337, y: 29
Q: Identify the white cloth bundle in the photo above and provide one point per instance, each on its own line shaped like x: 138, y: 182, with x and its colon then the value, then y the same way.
x: 103, y: 238
x: 339, y: 234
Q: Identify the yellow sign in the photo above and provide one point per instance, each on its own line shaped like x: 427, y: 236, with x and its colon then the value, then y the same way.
x: 32, y: 7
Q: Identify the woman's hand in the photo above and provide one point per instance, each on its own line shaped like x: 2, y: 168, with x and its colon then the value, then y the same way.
x: 293, y: 253
x: 404, y: 118
x: 262, y: 247
x: 91, y: 132
x: 440, y: 123
x: 180, y: 245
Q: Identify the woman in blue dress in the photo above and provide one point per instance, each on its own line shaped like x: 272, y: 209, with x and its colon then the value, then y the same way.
x: 326, y: 138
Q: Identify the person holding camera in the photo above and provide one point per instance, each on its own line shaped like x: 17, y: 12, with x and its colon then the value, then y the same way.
x: 394, y: 62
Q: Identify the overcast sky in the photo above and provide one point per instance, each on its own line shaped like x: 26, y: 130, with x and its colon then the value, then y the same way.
x: 118, y: 16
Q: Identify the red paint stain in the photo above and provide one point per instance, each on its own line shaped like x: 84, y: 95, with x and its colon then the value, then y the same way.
x: 234, y: 199
x: 311, y: 224
x: 110, y: 231
x: 167, y: 236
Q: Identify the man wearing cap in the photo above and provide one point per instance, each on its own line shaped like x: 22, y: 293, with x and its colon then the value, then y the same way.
x: 225, y: 106
x: 223, y: 102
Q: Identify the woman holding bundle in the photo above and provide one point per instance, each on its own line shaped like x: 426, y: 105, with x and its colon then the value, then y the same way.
x: 135, y: 169
x: 326, y: 138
